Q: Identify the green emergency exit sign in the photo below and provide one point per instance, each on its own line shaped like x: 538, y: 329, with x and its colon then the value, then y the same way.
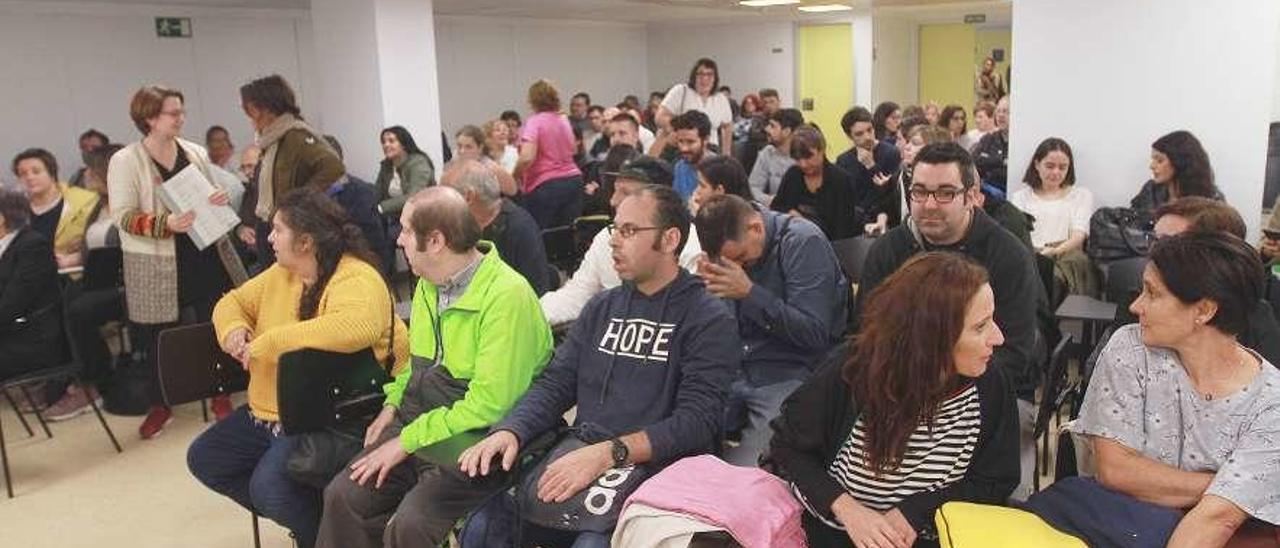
x: 173, y: 27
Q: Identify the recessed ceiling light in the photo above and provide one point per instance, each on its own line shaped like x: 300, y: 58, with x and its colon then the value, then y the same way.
x: 763, y: 3
x: 825, y: 8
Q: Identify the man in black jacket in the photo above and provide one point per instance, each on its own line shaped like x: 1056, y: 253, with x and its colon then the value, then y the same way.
x: 991, y: 154
x: 507, y: 225
x: 945, y: 217
x: 648, y: 365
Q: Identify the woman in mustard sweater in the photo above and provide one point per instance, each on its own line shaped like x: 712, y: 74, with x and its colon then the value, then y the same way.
x: 324, y: 292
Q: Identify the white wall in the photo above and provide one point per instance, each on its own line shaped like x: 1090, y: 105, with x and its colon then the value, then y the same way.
x: 743, y: 51
x: 487, y: 64
x: 1207, y: 67
x: 895, y: 76
x: 410, y: 90
x: 73, y: 66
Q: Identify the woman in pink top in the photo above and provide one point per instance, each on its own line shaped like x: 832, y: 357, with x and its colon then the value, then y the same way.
x: 550, y: 182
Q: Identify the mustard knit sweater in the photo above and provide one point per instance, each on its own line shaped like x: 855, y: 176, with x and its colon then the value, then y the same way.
x: 354, y: 313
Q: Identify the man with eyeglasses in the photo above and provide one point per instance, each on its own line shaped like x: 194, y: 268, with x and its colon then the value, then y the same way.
x: 648, y: 368
x: 946, y: 215
x: 596, y: 272
x: 784, y: 284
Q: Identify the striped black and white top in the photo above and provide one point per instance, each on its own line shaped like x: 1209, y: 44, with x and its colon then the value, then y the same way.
x: 935, y: 457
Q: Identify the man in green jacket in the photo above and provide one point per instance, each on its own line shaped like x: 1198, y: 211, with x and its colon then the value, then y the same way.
x: 477, y: 340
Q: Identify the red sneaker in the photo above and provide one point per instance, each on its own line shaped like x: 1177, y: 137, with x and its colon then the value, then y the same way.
x: 157, y: 418
x: 221, y: 406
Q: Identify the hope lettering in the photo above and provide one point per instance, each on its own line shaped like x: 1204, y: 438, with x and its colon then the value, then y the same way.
x: 637, y: 338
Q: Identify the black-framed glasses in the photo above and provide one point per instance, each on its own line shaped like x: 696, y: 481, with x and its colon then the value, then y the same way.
x: 628, y: 231
x: 944, y: 195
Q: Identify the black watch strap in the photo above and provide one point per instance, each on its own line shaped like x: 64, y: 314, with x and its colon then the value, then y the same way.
x: 619, y: 452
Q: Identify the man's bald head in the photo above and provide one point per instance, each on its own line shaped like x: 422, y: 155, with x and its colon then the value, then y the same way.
x: 443, y: 209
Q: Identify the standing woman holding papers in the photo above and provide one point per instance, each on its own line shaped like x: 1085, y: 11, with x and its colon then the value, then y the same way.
x: 167, y: 278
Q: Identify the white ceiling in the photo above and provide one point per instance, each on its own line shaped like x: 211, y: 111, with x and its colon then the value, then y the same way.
x: 618, y: 10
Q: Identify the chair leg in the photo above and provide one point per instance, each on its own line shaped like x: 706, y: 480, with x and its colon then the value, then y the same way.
x: 257, y: 539
x: 204, y: 409
x: 18, y: 412
x: 38, y: 413
x: 103, y: 422
x: 4, y: 456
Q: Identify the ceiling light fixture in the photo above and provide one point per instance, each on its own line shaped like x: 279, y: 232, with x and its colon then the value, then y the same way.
x: 822, y: 8
x: 765, y: 3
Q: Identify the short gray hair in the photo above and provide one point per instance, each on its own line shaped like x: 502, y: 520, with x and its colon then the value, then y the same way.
x: 467, y: 175
x: 14, y: 209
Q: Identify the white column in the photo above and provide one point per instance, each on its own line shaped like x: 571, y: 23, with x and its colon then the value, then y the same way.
x: 1112, y: 76
x: 863, y: 59
x: 376, y: 61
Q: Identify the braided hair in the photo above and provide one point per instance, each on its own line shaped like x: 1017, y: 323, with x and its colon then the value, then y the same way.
x: 310, y: 214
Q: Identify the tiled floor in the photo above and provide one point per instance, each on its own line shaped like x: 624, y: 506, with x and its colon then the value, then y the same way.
x: 75, y: 491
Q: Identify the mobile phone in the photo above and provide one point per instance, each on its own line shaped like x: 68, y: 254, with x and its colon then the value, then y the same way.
x: 1273, y: 235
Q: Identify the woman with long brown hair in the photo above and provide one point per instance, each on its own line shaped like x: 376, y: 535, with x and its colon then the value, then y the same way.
x: 905, y: 416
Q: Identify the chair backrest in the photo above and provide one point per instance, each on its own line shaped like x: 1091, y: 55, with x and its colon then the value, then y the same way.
x: 192, y: 366
x: 1124, y: 280
x: 316, y: 389
x: 585, y: 229
x: 562, y: 250
x: 1055, y: 380
x: 852, y: 253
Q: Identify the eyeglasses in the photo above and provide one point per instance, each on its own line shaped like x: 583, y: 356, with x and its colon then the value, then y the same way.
x: 707, y: 73
x: 174, y: 113
x: 628, y: 231
x: 943, y: 195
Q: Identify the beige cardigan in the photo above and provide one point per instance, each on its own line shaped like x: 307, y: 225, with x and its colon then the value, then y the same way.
x: 150, y: 264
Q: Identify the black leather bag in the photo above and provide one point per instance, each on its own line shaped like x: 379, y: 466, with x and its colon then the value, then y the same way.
x: 595, y: 508
x: 1120, y: 233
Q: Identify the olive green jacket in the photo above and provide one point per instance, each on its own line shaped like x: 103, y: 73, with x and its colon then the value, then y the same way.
x: 416, y: 173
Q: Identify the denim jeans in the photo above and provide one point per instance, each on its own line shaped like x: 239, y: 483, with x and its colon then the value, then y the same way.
x: 245, y: 461
x: 555, y: 203
x: 760, y: 404
x: 493, y: 524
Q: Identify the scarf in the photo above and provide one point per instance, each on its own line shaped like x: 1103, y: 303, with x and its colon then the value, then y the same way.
x: 269, y: 142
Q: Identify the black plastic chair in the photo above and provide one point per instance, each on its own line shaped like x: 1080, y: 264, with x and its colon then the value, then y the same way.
x: 69, y: 370
x: 561, y: 248
x: 852, y: 254
x: 1054, y: 394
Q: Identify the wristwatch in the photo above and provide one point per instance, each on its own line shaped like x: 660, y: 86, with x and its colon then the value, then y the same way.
x: 619, y: 452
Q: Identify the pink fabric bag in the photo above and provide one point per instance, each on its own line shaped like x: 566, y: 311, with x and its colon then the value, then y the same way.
x: 752, y: 505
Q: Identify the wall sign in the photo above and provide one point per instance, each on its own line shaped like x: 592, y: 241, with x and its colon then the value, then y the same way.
x: 173, y: 27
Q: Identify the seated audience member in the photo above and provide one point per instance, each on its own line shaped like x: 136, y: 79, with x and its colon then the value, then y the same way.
x: 955, y: 121
x: 745, y: 117
x: 477, y: 341
x: 719, y: 175
x: 1180, y: 415
x: 906, y: 416
x: 594, y: 140
x: 497, y: 144
x: 690, y: 131
x: 294, y: 154
x: 624, y: 130
x: 550, y: 180
x: 59, y: 211
x: 871, y: 164
x: 471, y: 144
x: 932, y: 112
x: 100, y: 300
x: 597, y: 273
x: 991, y: 154
x: 1199, y: 214
x: 789, y: 295
x: 648, y: 401
x: 1270, y: 247
x: 1179, y: 167
x: 217, y: 140
x: 360, y: 200
x: 248, y: 174
x: 600, y: 176
x: 511, y: 229
x: 89, y: 141
x: 700, y: 94
x: 30, y: 330
x: 405, y: 169
x: 512, y: 119
x: 1062, y: 211
x: 945, y: 217
x: 817, y: 190
x: 773, y: 161
x: 887, y: 122
x: 984, y: 121
x: 342, y: 305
